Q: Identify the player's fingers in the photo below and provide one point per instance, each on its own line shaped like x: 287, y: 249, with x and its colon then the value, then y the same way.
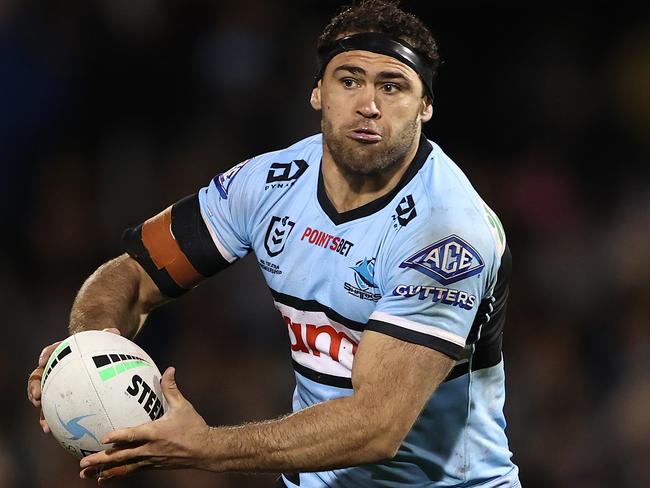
x: 170, y: 389
x: 46, y: 353
x: 131, y: 435
x: 119, y: 455
x: 34, y: 387
x: 108, y: 475
x: 107, y: 472
x: 43, y: 422
x: 112, y: 330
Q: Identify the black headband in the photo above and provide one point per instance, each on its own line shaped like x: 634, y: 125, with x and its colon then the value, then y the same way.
x: 381, y: 44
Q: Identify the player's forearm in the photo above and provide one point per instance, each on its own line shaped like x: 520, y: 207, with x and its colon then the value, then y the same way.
x: 110, y: 297
x: 333, y: 434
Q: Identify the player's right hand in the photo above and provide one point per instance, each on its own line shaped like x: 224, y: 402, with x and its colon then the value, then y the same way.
x: 34, y: 380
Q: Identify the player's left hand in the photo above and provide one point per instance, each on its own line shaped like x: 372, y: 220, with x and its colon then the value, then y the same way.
x: 177, y: 440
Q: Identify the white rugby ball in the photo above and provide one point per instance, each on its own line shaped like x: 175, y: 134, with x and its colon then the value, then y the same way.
x: 96, y: 382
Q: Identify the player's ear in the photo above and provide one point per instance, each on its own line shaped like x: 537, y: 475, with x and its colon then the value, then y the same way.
x: 426, y: 111
x: 315, y: 97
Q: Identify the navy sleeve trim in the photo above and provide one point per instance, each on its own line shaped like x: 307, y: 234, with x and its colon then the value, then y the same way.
x: 449, y: 348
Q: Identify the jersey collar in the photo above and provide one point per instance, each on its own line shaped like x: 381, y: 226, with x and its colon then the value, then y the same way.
x: 424, y: 149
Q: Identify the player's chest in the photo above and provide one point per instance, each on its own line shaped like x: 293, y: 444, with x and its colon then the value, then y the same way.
x: 303, y: 254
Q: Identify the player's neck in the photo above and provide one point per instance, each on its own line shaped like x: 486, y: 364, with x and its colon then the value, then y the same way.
x: 347, y: 191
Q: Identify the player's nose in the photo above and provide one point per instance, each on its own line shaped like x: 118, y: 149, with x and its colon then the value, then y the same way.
x: 367, y: 103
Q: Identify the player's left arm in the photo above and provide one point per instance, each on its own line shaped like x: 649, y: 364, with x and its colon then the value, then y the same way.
x: 392, y: 380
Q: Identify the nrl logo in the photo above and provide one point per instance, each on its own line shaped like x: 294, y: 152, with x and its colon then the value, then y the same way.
x: 446, y: 261
x: 277, y: 234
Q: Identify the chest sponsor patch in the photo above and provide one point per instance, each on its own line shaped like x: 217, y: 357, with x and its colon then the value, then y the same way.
x: 327, y: 241
x: 448, y: 296
x: 447, y: 261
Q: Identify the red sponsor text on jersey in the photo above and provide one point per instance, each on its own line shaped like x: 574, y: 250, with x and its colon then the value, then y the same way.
x: 311, y: 333
x: 327, y: 241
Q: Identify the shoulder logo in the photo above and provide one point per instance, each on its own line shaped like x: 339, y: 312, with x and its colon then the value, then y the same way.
x: 276, y: 234
x: 285, y: 174
x: 223, y: 180
x: 405, y: 211
x: 447, y: 261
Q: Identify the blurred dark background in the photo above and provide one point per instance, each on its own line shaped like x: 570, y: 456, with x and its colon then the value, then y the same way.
x: 110, y: 110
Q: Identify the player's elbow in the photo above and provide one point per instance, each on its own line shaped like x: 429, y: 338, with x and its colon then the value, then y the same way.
x: 386, y: 441
x: 382, y: 450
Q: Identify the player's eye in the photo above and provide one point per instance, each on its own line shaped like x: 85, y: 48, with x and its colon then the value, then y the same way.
x: 349, y: 83
x: 390, y: 88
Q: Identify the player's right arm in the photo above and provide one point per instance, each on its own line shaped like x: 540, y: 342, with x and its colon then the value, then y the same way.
x: 117, y: 297
x: 167, y: 255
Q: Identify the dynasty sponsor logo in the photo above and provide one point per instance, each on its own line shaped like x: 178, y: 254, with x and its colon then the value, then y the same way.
x: 305, y: 338
x: 276, y: 234
x: 326, y: 241
x: 364, y: 275
x: 147, y: 399
x: 404, y: 212
x: 284, y: 175
x: 456, y: 298
x: 447, y: 261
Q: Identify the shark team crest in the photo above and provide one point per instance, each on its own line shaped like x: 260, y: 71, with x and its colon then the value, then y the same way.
x: 364, y: 278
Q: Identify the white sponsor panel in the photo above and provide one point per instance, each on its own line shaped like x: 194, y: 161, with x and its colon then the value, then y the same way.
x: 320, y: 343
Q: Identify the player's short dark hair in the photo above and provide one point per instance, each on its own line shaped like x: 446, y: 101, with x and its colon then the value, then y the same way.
x: 383, y: 16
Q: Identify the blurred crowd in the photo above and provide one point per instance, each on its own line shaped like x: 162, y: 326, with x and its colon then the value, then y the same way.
x: 110, y: 110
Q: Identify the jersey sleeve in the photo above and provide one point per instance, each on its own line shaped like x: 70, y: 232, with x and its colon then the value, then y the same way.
x: 226, y: 207
x: 432, y: 282
x: 195, y: 237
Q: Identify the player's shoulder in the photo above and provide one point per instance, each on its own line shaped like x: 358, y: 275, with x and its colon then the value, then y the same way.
x: 274, y: 169
x: 445, y: 184
x: 453, y: 212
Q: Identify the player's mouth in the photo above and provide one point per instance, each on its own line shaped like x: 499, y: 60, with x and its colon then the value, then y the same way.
x: 365, y: 135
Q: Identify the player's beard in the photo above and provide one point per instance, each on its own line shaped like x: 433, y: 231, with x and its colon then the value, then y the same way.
x: 358, y: 159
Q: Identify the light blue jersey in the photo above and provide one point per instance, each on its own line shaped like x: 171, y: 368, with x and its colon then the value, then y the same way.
x: 416, y: 264
x: 427, y: 263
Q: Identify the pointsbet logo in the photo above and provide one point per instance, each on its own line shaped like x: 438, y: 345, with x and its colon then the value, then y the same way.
x: 326, y: 241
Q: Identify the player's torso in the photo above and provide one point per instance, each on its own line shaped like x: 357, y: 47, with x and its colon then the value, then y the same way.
x: 325, y: 271
x: 322, y: 275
